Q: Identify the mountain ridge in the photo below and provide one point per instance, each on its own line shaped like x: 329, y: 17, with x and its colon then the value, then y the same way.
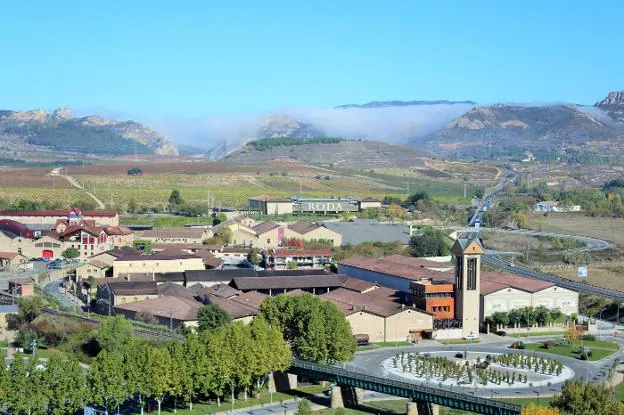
x: 60, y: 131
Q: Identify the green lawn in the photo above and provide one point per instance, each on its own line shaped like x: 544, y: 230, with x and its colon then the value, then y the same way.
x: 457, y: 341
x: 619, y: 392
x: 537, y: 333
x: 381, y: 345
x: 600, y: 348
x: 263, y: 399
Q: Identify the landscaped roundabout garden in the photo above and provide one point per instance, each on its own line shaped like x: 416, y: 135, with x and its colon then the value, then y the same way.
x: 479, y: 369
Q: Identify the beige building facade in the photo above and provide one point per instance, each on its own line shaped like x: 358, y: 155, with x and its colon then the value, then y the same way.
x: 468, y: 285
x: 155, y: 263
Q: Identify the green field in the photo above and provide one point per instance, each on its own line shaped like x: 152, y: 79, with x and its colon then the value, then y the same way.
x: 61, y: 197
x: 600, y: 348
x: 536, y: 334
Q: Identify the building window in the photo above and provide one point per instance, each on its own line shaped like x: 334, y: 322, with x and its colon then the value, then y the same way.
x: 268, y: 240
x: 471, y: 274
x: 459, y: 276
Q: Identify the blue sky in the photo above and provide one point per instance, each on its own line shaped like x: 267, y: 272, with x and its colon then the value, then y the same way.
x: 195, y: 58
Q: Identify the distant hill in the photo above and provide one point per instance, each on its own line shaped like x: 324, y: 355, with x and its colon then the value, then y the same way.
x: 388, y: 104
x: 507, y: 130
x: 613, y: 105
x: 61, y: 132
x: 329, y: 151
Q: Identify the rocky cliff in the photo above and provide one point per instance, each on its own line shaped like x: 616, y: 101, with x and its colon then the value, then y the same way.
x: 613, y: 105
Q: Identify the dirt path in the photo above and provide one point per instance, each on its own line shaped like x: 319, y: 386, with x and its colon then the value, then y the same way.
x: 77, y: 185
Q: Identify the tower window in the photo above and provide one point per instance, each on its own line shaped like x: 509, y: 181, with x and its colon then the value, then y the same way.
x: 459, y: 277
x: 471, y: 276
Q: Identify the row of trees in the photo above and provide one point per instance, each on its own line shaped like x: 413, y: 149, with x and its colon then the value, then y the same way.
x: 229, y: 359
x: 525, y: 316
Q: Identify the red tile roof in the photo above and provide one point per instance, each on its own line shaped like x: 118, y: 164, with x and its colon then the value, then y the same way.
x: 7, y: 255
x: 351, y: 302
x: 414, y: 272
x: 303, y: 227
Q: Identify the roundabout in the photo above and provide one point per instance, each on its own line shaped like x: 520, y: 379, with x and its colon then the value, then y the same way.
x: 478, y: 369
x: 538, y: 383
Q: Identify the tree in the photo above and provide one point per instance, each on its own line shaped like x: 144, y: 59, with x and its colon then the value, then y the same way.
x: 222, y: 236
x: 175, y: 199
x: 135, y: 362
x: 271, y: 353
x: 142, y: 245
x: 304, y: 408
x: 534, y: 409
x: 479, y: 192
x: 241, y: 347
x: 66, y: 385
x: 571, y: 334
x: 114, y: 334
x: 315, y: 329
x: 219, y: 363
x: 292, y: 265
x: 253, y: 256
x: 587, y: 399
x: 26, y: 337
x: 158, y: 373
x: 178, y: 379
x: 217, y: 219
x: 135, y: 171
x: 196, y: 366
x: 70, y: 253
x: 395, y: 211
x: 430, y: 243
x: 210, y: 317
x: 28, y: 391
x: 521, y: 220
x: 106, y: 380
x: 29, y: 308
x: 132, y: 206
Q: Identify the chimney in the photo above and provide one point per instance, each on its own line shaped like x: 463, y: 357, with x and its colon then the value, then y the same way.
x: 402, y: 305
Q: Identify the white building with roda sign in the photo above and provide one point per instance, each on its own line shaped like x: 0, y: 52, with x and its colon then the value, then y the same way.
x: 295, y: 205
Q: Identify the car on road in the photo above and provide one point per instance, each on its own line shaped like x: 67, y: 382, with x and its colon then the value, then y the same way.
x: 55, y: 265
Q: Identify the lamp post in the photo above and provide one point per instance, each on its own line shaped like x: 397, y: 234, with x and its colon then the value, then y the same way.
x: 599, y: 320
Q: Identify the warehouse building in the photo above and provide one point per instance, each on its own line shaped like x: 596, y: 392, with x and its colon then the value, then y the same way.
x: 434, y: 286
x: 268, y: 205
x: 379, y: 319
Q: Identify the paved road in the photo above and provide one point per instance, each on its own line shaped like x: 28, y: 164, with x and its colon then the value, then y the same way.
x: 54, y: 289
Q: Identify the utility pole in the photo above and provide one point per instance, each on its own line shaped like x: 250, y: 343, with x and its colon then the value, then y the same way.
x: 465, y: 187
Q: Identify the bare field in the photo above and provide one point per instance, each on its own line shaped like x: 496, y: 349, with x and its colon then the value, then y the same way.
x: 191, y: 168
x: 513, y: 243
x: 219, y: 183
x: 607, y: 277
x: 611, y: 229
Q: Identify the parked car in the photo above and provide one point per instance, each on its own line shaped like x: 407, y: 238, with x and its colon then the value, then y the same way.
x: 501, y: 333
x: 472, y: 336
x: 54, y: 265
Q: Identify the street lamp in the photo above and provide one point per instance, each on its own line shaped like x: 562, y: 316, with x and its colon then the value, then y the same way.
x: 599, y: 320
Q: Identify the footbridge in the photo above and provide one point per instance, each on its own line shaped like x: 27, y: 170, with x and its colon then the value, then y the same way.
x: 425, y: 396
